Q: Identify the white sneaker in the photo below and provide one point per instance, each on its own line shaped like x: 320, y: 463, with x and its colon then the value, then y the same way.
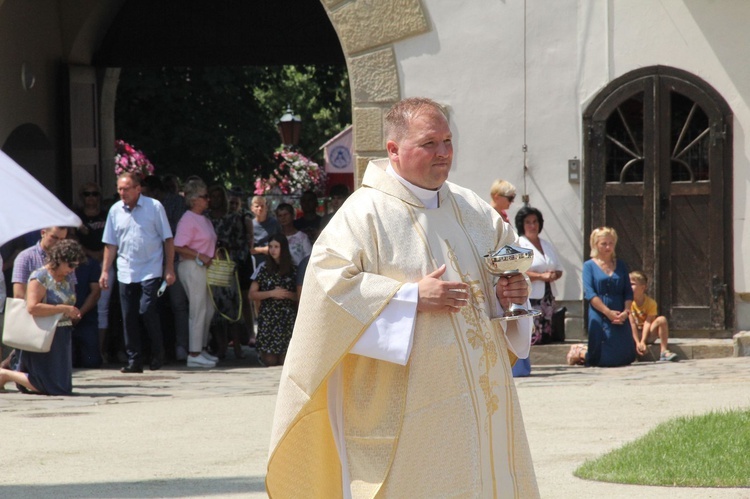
x: 208, y: 356
x: 199, y: 361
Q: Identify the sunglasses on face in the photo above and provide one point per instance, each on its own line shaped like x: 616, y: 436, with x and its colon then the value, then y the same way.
x: 90, y: 194
x: 510, y: 198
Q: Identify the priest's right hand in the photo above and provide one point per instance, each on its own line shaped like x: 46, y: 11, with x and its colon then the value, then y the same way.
x: 436, y: 295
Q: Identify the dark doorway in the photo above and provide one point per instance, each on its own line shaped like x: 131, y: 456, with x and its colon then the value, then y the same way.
x: 219, y: 33
x: 658, y: 169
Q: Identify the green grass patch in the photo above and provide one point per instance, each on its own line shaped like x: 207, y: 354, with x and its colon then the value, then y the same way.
x: 711, y: 450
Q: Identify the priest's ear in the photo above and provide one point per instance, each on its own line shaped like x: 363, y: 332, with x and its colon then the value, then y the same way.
x: 392, y: 148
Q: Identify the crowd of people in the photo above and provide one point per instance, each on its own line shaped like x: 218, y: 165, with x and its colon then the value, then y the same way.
x: 162, y: 238
x: 622, y: 319
x: 154, y: 247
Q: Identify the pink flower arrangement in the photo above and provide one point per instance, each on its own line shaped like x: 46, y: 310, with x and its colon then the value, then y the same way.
x: 129, y: 159
x: 294, y: 174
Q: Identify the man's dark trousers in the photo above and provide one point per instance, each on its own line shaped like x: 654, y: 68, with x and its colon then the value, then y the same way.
x: 138, y: 300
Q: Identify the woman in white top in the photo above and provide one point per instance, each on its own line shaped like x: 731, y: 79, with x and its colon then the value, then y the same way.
x: 543, y: 273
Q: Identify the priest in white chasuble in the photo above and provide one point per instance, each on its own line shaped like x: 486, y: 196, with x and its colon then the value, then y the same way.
x: 396, y: 382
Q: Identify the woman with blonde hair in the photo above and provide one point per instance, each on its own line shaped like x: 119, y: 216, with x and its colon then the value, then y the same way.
x: 606, y: 285
x: 502, y: 195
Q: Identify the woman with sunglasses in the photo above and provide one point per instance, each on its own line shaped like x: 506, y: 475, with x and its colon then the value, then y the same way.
x: 502, y: 195
x: 195, y: 242
x: 94, y: 216
x: 50, y: 292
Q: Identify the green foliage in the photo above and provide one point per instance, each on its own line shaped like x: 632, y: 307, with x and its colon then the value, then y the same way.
x: 220, y: 122
x: 697, y: 451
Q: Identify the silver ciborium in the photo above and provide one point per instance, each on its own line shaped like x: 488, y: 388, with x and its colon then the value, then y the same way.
x: 507, y: 262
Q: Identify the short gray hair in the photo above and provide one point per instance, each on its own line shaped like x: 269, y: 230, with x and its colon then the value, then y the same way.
x: 193, y: 190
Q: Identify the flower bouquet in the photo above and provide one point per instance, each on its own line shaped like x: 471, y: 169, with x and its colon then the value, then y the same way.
x: 294, y: 174
x: 129, y: 159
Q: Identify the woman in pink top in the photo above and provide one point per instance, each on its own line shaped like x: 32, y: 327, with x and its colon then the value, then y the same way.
x: 195, y: 242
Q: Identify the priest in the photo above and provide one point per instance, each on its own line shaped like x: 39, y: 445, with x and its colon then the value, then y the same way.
x: 397, y: 383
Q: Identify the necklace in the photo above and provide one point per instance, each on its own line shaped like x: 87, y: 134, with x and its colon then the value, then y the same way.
x: 606, y: 266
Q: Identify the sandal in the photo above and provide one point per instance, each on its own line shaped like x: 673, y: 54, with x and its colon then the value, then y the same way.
x: 577, y: 354
x: 667, y: 356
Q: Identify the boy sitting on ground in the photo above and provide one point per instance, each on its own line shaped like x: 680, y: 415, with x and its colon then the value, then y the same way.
x: 643, y: 318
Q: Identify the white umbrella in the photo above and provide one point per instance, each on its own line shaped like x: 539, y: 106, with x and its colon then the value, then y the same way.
x: 26, y: 205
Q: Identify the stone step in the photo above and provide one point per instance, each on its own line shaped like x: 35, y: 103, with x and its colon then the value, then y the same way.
x: 685, y: 348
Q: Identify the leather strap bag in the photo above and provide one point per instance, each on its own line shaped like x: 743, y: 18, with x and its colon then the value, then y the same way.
x: 24, y: 331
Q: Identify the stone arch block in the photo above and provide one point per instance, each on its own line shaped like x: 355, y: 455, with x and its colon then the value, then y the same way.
x: 367, y: 30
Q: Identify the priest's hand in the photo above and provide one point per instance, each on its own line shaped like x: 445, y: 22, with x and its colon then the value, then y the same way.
x: 514, y: 289
x: 436, y: 295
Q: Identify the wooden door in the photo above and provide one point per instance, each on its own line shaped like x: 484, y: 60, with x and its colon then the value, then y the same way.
x: 658, y: 170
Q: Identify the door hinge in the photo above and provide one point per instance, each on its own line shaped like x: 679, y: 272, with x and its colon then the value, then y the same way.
x: 718, y: 132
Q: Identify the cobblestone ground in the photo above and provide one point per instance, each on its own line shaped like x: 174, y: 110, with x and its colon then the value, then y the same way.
x: 194, y: 433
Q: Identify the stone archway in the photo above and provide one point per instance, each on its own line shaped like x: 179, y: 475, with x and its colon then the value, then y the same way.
x: 367, y: 31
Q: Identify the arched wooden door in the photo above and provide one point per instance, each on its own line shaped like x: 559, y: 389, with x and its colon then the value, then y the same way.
x: 658, y: 149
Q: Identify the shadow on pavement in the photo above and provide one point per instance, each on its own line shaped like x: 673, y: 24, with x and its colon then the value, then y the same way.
x: 196, y: 487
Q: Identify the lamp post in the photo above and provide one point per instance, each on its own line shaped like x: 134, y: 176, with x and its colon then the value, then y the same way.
x: 289, y: 126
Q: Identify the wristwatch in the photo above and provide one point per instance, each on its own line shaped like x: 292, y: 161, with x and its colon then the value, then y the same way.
x: 198, y: 260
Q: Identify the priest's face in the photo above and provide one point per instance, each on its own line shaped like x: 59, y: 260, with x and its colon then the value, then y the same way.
x: 424, y: 155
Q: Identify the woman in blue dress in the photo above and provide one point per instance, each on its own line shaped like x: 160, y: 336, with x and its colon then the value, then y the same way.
x: 606, y: 286
x: 50, y: 292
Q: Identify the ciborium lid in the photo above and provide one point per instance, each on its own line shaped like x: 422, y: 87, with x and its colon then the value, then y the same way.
x: 508, y: 259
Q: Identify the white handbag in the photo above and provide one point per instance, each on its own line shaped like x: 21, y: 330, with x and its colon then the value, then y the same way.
x: 24, y: 331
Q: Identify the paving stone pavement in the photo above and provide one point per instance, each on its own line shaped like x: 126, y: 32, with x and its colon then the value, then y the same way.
x: 182, y: 432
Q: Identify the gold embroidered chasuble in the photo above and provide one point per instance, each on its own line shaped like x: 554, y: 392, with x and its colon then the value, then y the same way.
x: 446, y: 424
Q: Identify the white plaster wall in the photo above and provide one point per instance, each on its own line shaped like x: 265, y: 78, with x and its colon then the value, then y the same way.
x: 473, y: 61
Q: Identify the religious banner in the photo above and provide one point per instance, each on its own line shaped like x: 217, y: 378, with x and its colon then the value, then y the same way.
x: 339, y: 157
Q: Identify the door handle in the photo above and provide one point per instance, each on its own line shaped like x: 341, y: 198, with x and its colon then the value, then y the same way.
x: 718, y: 288
x: 663, y: 206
